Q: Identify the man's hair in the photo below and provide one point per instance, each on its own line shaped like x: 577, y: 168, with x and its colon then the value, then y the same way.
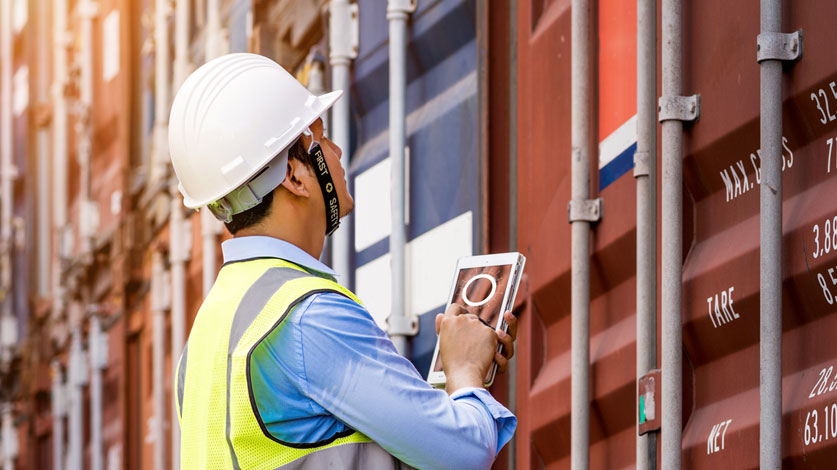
x: 256, y: 214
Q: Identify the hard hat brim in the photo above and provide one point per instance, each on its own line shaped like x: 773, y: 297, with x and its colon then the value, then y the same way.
x: 320, y: 106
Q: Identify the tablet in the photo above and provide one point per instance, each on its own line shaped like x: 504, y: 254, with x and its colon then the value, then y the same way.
x: 486, y: 286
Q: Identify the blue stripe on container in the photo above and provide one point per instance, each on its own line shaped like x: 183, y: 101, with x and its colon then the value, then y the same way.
x: 617, y: 167
x: 372, y: 252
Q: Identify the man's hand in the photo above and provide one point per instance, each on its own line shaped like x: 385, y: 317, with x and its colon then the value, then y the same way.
x: 507, y: 339
x: 468, y: 347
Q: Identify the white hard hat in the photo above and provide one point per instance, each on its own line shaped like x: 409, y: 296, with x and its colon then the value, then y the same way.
x: 234, y: 117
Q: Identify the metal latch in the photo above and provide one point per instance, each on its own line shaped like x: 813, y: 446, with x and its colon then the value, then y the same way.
x: 786, y: 47
x: 585, y: 210
x: 648, y: 402
x: 679, y: 108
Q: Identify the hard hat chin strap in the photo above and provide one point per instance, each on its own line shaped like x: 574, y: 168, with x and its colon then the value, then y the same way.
x: 330, y: 199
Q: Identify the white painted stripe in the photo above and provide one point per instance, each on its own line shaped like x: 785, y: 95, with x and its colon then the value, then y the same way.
x: 373, y: 286
x: 617, y: 142
x: 431, y: 260
x: 373, y: 217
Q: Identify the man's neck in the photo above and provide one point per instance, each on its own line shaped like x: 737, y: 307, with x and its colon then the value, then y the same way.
x: 296, y: 234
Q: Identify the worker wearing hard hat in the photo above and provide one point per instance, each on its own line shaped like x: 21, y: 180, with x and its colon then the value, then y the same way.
x: 284, y: 368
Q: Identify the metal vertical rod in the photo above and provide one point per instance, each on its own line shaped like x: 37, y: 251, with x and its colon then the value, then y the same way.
x: 162, y: 96
x: 59, y: 147
x: 44, y: 196
x: 158, y: 360
x: 341, y: 53
x: 209, y: 224
x: 672, y: 242
x: 9, y: 437
x: 340, y: 240
x: 44, y: 188
x: 770, y: 223
x: 6, y: 179
x: 397, y: 14
x: 213, y: 30
x: 177, y: 230
x: 162, y: 93
x: 580, y: 282
x: 316, y: 86
x: 209, y: 233
x: 95, y: 339
x: 8, y: 441
x: 646, y: 214
x: 87, y: 10
x: 59, y: 214
x: 182, y: 17
x: 78, y: 378
x: 316, y: 80
x: 58, y: 413
x: 513, y: 367
x: 178, y: 257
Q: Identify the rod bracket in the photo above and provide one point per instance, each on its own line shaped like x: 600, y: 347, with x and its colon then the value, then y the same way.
x: 585, y: 210
x: 641, y: 163
x: 344, y: 32
x: 399, y: 325
x: 786, y: 47
x: 679, y: 108
x: 399, y: 9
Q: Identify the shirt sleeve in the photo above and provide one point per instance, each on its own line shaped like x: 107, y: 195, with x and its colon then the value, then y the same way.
x: 353, y: 370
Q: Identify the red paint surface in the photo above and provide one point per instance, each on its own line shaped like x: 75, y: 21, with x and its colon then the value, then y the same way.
x: 617, y: 64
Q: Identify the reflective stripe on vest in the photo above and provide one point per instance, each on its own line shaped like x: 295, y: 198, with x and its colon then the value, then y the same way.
x: 220, y: 425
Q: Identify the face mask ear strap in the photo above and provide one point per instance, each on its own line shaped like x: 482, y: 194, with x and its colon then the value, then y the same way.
x: 330, y: 199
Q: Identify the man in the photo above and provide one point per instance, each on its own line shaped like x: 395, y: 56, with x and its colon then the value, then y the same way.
x: 284, y: 368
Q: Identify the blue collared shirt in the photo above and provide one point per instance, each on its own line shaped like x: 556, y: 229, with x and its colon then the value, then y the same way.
x: 330, y: 369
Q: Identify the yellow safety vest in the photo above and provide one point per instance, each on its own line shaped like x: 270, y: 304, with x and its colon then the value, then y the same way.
x: 220, y: 427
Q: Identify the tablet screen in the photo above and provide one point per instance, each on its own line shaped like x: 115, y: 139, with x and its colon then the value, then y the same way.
x: 481, y: 291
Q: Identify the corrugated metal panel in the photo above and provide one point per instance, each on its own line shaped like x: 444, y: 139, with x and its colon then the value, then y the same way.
x: 721, y: 274
x: 442, y: 125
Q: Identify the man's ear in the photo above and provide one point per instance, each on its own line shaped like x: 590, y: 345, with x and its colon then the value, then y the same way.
x: 295, y: 179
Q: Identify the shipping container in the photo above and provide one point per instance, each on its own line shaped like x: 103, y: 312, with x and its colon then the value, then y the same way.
x: 721, y: 175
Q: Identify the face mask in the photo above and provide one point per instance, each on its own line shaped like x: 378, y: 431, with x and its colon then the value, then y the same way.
x: 332, y: 203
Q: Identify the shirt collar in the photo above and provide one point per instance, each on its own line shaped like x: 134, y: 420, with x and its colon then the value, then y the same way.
x: 244, y: 248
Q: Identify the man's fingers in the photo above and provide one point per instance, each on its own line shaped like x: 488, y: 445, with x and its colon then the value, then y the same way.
x: 501, y: 361
x: 455, y: 309
x: 511, y: 320
x: 508, y: 343
x: 439, y: 317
